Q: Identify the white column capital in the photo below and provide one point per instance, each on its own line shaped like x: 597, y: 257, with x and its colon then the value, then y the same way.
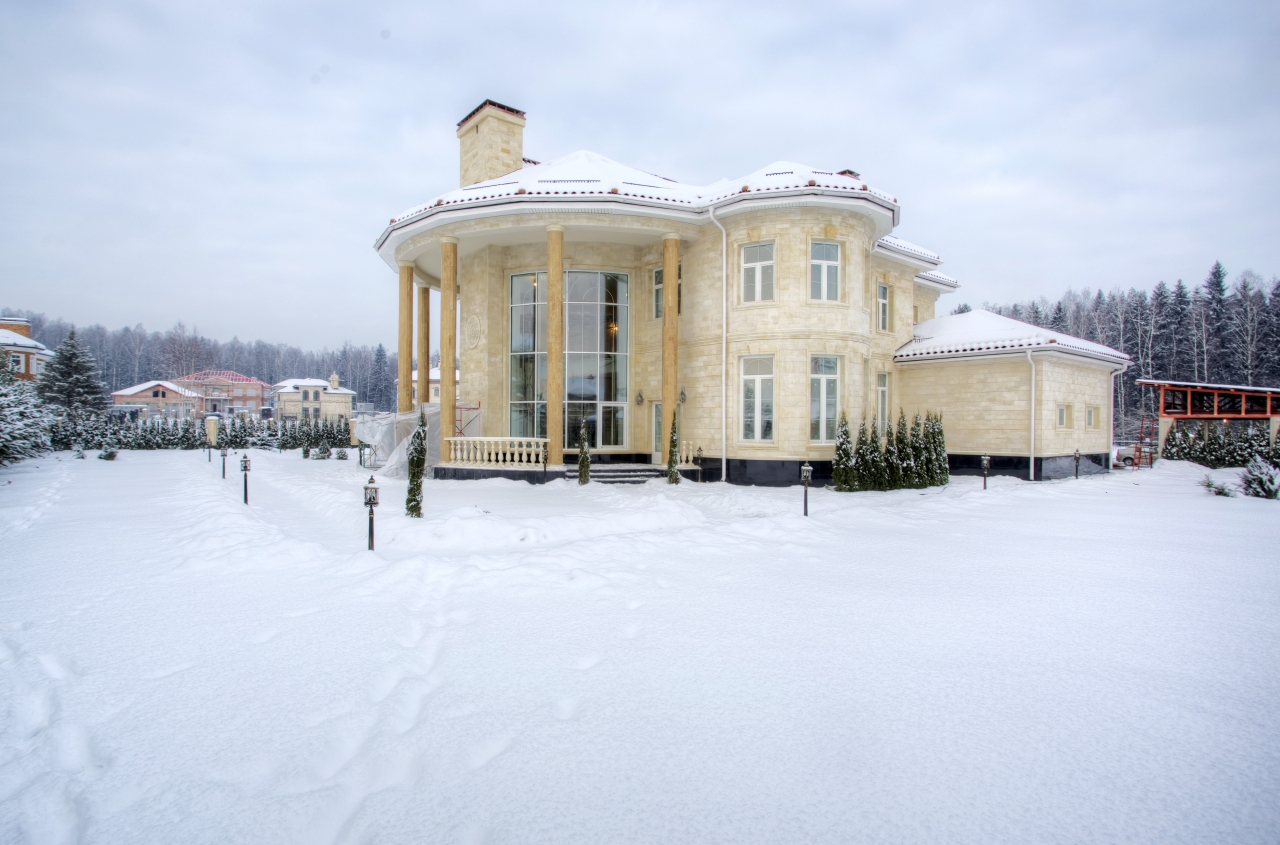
x: 671, y: 236
x: 445, y: 239
x: 404, y: 264
x: 554, y: 227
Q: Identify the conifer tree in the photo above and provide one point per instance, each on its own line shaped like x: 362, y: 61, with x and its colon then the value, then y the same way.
x: 862, y: 459
x: 1215, y: 293
x: 892, y: 463
x: 940, y: 450
x: 919, y: 453
x: 906, y: 454
x: 584, y: 454
x: 876, y: 477
x: 417, y: 465
x: 1261, y: 478
x: 1058, y: 318
x: 25, y: 422
x: 673, y: 455
x: 842, y: 463
x: 70, y: 384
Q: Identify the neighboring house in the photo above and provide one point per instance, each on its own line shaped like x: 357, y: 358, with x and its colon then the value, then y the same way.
x: 753, y: 310
x: 226, y: 393
x: 433, y: 380
x: 299, y: 399
x: 24, y: 357
x: 159, y: 398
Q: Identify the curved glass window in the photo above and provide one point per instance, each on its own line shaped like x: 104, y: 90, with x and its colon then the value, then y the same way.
x: 596, y: 344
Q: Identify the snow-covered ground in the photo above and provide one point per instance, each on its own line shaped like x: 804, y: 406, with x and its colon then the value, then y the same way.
x: 1091, y: 661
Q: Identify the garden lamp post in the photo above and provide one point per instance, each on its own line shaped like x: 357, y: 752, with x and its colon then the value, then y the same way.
x: 806, y: 475
x: 224, y: 461
x: 986, y: 467
x: 1077, y: 464
x: 244, y: 467
x: 699, y: 464
x: 371, y: 502
x: 545, y: 455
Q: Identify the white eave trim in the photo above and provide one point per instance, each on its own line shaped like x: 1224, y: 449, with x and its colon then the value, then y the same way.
x: 618, y: 204
x: 914, y: 259
x: 936, y: 284
x: 1018, y: 350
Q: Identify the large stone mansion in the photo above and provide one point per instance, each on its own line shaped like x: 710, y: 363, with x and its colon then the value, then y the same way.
x: 754, y: 310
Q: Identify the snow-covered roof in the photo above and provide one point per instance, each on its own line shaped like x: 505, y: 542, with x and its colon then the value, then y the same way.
x: 590, y: 177
x: 153, y: 385
x: 433, y: 374
x: 1195, y: 385
x: 10, y: 338
x: 934, y: 279
x: 222, y: 375
x: 893, y: 243
x: 293, y: 385
x: 981, y: 333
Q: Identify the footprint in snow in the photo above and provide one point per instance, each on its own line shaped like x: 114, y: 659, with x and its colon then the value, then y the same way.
x: 631, y: 632
x: 56, y: 668
x: 566, y: 709
x: 585, y: 663
x: 164, y: 673
x: 482, y: 754
x: 266, y: 636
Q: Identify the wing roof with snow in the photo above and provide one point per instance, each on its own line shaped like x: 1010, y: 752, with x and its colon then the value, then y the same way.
x: 983, y: 333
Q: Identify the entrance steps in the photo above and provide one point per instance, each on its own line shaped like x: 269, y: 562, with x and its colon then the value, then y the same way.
x: 623, y: 473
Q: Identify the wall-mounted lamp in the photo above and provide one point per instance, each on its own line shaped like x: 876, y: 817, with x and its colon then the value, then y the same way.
x: 639, y: 397
x: 682, y: 396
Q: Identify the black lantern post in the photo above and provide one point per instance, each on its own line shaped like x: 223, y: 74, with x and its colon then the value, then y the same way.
x: 699, y: 464
x: 1077, y: 464
x: 371, y: 502
x: 986, y: 467
x: 224, y: 461
x: 244, y: 467
x: 806, y: 475
x: 545, y: 455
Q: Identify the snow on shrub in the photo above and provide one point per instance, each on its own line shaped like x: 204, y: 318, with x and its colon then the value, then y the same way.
x: 1260, y: 478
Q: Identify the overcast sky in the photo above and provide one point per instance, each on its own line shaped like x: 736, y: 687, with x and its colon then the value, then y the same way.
x: 230, y: 164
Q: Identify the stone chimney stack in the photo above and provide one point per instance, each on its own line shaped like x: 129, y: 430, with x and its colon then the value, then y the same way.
x: 492, y: 142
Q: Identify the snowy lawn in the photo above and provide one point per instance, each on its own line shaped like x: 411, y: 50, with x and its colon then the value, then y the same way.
x: 1091, y: 661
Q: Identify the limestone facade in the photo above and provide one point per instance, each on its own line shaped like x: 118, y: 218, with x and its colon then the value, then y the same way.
x: 871, y: 290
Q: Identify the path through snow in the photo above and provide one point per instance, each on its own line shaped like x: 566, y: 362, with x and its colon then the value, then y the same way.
x: 1090, y: 661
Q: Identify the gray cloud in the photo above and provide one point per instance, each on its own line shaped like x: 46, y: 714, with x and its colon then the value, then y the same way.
x: 164, y: 162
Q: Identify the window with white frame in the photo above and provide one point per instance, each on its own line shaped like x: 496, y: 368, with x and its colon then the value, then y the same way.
x: 657, y: 291
x: 1065, y: 417
x: 882, y: 402
x: 824, y: 272
x: 757, y: 273
x: 757, y: 398
x: 824, y: 371
x: 15, y: 363
x: 882, y: 307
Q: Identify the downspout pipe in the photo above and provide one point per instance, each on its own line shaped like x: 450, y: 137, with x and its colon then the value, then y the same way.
x: 724, y: 345
x: 1031, y: 463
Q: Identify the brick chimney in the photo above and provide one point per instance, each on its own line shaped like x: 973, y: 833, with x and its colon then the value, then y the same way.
x: 17, y: 325
x: 492, y: 142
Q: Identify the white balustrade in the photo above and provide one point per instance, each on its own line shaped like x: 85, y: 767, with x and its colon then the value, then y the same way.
x: 687, y: 453
x: 497, y: 452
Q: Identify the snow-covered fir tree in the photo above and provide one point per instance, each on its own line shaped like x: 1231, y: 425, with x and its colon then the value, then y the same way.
x: 906, y: 456
x: 842, y: 463
x: 25, y: 421
x: 71, y: 387
x: 584, y: 455
x: 673, y: 455
x: 1261, y: 478
x: 417, y: 456
x: 892, y: 463
x: 862, y: 459
x: 918, y: 453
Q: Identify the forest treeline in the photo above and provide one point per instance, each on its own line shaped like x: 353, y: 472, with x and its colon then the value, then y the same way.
x: 1216, y: 332
x: 133, y: 355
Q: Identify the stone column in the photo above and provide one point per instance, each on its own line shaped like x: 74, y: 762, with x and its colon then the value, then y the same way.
x: 448, y: 340
x: 555, y: 345
x: 404, y: 366
x: 670, y: 336
x: 424, y: 344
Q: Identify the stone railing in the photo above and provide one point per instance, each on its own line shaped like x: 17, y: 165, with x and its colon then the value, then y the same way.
x: 688, y: 452
x: 496, y: 452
